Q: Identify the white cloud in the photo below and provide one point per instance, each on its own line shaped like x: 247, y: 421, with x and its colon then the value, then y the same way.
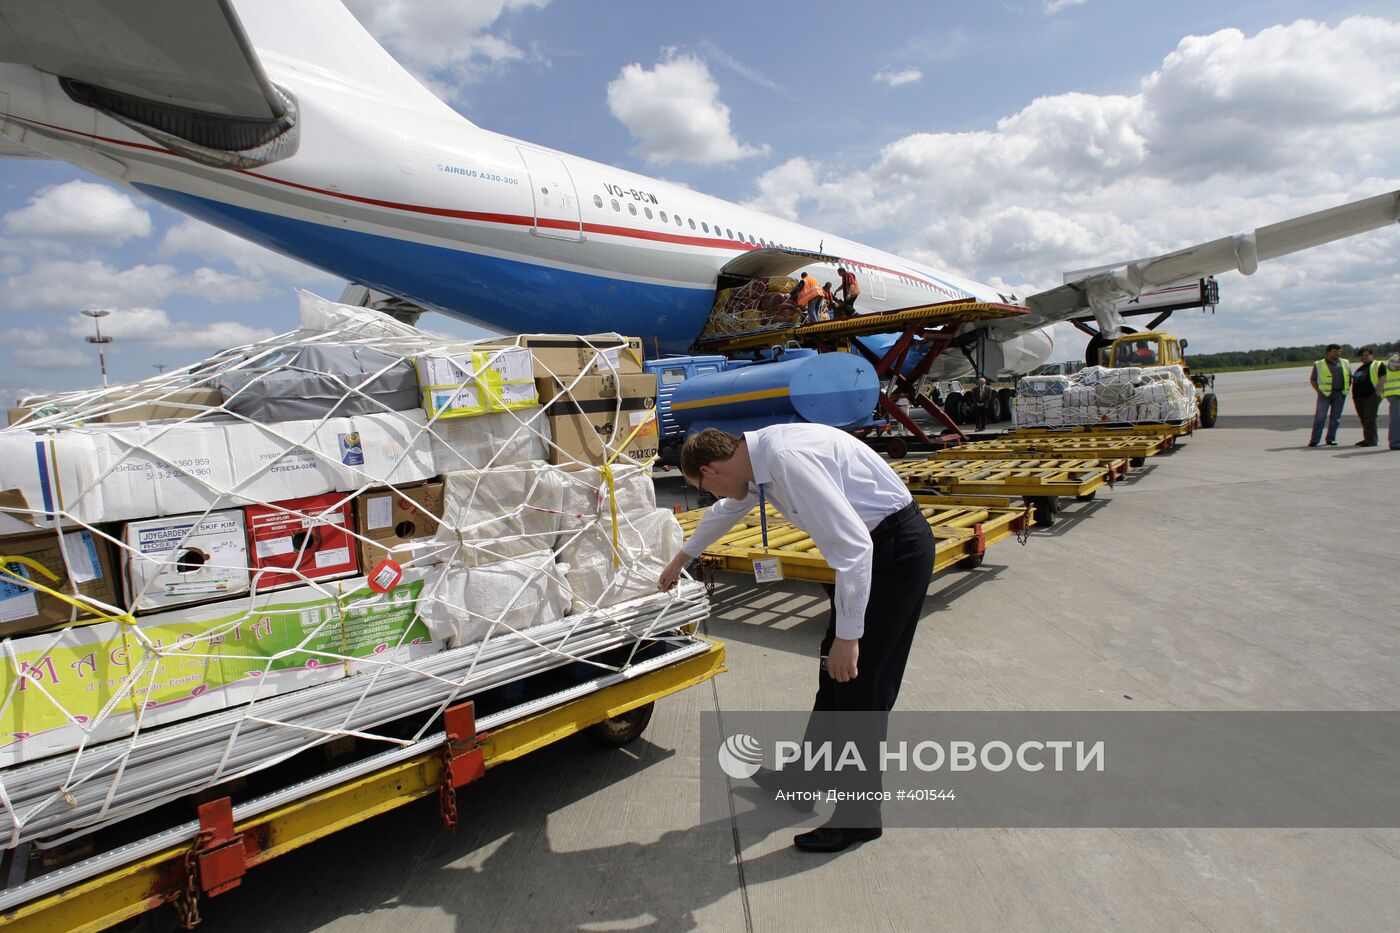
x: 1055, y: 6
x: 675, y: 114
x: 63, y: 285
x: 80, y: 210
x: 894, y: 78
x: 444, y: 42
x: 1230, y: 132
x: 155, y: 327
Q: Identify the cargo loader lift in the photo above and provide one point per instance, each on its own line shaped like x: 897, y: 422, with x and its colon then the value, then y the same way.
x: 936, y: 325
x: 210, y: 855
x: 963, y: 527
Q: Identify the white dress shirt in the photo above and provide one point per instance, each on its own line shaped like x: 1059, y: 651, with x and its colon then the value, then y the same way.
x: 831, y: 486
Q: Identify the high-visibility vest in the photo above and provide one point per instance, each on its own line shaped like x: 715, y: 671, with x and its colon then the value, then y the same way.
x: 810, y: 290
x: 1374, y: 371
x: 1392, y: 383
x: 1324, y: 376
x: 850, y: 287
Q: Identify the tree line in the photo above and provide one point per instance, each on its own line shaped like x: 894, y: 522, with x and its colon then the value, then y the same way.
x: 1281, y: 356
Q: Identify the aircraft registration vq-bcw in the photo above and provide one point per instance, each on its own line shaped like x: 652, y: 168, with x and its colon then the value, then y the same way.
x: 288, y: 124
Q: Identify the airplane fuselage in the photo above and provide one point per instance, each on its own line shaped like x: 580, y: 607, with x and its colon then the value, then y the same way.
x: 420, y: 203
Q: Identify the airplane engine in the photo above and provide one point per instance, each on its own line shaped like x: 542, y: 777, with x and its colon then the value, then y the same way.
x: 1021, y: 353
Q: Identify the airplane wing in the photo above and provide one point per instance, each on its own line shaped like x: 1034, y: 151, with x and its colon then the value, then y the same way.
x: 182, y: 73
x: 1095, y: 291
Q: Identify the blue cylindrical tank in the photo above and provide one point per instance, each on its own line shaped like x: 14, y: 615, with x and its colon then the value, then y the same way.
x: 839, y: 389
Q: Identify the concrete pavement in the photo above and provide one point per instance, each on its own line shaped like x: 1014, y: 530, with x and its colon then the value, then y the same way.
x: 1243, y: 571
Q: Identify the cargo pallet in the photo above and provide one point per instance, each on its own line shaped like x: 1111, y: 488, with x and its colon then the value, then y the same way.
x: 963, y: 527
x: 210, y: 855
x: 1134, y: 447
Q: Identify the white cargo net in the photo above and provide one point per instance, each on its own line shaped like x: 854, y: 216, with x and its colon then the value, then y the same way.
x: 1101, y: 395
x: 236, y: 633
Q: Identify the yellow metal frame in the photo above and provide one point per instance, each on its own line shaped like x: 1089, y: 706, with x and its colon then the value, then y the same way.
x: 1160, y: 428
x: 952, y: 312
x: 1026, y: 477
x: 123, y: 893
x: 952, y: 519
x: 1073, y: 446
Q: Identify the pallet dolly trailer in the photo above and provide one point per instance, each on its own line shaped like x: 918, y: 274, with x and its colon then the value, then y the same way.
x: 209, y: 856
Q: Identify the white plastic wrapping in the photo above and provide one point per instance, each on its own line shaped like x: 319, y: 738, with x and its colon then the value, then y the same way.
x: 463, y: 605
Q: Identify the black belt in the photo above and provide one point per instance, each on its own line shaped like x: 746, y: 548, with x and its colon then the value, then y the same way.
x: 892, y: 521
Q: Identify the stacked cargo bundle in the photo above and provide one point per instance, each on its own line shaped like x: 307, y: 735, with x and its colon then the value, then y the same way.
x: 1101, y: 395
x: 204, y: 574
x: 758, y: 305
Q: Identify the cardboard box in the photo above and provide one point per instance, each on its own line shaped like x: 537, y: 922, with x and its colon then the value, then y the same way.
x: 53, y: 472
x: 184, y: 559
x: 201, y: 659
x: 568, y: 355
x: 24, y: 610
x: 169, y: 469
x: 395, y: 520
x: 591, y: 418
x: 468, y: 382
x: 118, y: 407
x: 297, y: 540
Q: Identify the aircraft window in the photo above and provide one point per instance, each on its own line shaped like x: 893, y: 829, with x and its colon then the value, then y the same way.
x: 664, y: 218
x: 597, y: 201
x: 705, y: 226
x: 647, y: 210
x: 616, y: 206
x: 671, y: 377
x: 678, y: 220
x: 632, y: 209
x: 729, y: 233
x: 691, y: 221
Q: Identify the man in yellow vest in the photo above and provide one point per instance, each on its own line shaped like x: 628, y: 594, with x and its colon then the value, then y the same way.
x: 1390, y: 391
x: 1364, y: 396
x: 1331, y: 380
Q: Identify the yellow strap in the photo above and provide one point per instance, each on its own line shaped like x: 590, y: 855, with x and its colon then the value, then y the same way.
x: 608, y: 477
x: 123, y: 618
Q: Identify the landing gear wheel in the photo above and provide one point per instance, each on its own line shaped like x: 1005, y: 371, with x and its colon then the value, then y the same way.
x: 1210, y: 409
x: 1043, y: 508
x: 622, y: 730
x: 1003, y: 405
x: 897, y: 448
x: 955, y: 408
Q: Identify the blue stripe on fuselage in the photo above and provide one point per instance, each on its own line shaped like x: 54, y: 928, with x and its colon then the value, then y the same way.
x: 503, y: 294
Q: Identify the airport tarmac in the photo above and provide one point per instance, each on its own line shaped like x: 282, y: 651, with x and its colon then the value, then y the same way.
x: 1240, y: 572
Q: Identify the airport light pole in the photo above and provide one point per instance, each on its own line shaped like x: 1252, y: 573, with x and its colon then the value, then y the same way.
x: 99, y: 340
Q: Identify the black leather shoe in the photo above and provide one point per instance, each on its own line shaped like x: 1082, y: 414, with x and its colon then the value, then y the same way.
x: 1331, y: 443
x: 1312, y: 443
x: 834, y: 838
x: 774, y: 782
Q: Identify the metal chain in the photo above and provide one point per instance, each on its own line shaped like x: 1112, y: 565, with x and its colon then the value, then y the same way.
x: 186, y: 901
x: 447, y: 793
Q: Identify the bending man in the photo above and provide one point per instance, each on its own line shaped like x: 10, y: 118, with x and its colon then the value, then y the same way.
x: 871, y: 533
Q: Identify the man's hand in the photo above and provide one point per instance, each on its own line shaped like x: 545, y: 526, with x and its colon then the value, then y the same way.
x: 841, y: 659
x: 672, y: 573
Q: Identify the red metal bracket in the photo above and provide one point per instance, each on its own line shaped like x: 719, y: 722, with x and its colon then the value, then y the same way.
x: 219, y: 850
x: 465, y: 759
x: 979, y: 540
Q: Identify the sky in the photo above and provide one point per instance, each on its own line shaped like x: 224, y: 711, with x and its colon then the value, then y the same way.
x: 1005, y: 141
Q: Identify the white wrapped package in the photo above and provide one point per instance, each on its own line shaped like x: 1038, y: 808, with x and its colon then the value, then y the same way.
x: 463, y: 605
x: 496, y: 439
x: 494, y: 514
x: 1039, y: 386
x: 586, y: 497
x: 646, y: 542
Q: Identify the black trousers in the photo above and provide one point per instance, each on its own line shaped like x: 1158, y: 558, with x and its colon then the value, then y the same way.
x: 1366, y: 410
x: 900, y: 573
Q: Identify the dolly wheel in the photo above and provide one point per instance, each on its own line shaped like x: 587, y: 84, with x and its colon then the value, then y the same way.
x: 971, y: 562
x: 622, y: 730
x: 1137, y: 461
x: 1044, y: 509
x: 1210, y: 408
x: 1086, y: 497
x: 897, y: 448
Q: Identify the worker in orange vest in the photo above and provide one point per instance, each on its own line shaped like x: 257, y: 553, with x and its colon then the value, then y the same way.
x: 808, y: 297
x: 850, y: 291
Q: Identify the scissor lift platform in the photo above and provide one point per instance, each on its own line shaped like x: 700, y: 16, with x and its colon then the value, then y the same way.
x: 936, y: 326
x: 963, y: 527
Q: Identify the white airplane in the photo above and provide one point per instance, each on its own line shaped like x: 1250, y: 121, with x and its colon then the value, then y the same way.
x: 288, y: 124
